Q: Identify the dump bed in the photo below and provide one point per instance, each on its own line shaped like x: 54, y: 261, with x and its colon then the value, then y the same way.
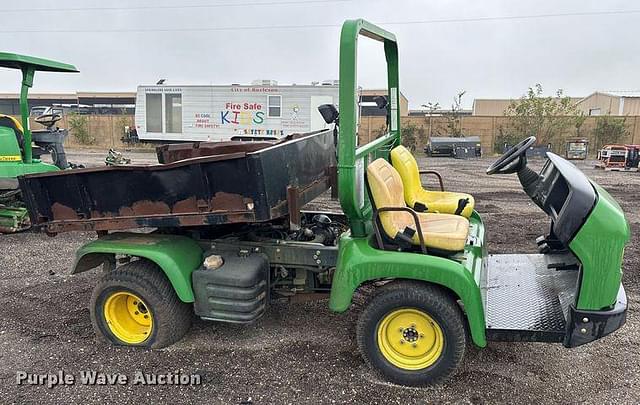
x: 234, y: 184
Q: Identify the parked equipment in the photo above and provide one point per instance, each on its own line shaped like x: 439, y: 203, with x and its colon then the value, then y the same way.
x: 533, y: 151
x: 18, y: 156
x: 577, y: 149
x: 619, y: 157
x: 115, y: 158
x: 461, y: 148
x: 230, y: 236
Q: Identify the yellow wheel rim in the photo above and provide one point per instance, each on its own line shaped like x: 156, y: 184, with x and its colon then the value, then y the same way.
x: 128, y: 317
x: 410, y: 339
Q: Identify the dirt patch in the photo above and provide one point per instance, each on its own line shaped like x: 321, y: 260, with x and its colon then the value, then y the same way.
x: 303, y: 353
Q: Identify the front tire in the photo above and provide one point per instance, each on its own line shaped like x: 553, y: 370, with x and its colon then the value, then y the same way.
x: 412, y: 333
x: 136, y: 305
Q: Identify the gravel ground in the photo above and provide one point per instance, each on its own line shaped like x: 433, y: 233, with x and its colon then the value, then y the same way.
x: 303, y: 353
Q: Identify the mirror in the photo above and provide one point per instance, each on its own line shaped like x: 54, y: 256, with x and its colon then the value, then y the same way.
x: 329, y: 113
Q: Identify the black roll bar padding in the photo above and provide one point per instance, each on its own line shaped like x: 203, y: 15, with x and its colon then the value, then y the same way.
x: 436, y: 174
x: 416, y: 219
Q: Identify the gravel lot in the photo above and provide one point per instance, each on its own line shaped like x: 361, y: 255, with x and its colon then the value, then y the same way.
x: 303, y: 353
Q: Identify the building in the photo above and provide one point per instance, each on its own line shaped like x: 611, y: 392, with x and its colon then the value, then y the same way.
x: 83, y: 102
x: 496, y: 106
x: 437, y: 113
x: 610, y: 103
x: 597, y: 103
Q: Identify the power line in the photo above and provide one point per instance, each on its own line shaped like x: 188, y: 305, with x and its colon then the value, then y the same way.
x: 166, y: 7
x: 315, y: 26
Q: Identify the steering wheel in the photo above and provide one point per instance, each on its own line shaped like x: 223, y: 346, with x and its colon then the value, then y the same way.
x: 505, y: 164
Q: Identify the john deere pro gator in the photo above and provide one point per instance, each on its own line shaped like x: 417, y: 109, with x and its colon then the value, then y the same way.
x: 16, y: 141
x: 228, y: 236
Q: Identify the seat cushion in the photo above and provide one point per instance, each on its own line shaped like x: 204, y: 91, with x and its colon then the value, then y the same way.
x: 445, y: 202
x: 440, y: 231
x: 436, y: 201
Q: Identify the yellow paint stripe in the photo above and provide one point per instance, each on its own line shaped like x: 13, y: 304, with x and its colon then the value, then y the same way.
x: 11, y: 158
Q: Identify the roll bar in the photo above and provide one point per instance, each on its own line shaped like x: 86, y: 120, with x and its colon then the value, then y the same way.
x: 352, y: 158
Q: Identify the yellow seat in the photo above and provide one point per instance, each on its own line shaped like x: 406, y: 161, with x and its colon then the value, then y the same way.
x: 440, y: 231
x: 10, y: 122
x: 436, y: 201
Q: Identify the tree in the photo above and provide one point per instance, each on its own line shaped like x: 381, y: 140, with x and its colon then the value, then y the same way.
x: 580, y: 119
x: 431, y: 107
x: 546, y: 118
x: 609, y: 130
x: 453, y: 117
x: 79, y: 128
x: 411, y: 134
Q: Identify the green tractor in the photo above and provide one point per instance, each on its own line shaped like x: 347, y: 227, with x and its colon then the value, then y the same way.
x: 16, y: 142
x: 223, y: 248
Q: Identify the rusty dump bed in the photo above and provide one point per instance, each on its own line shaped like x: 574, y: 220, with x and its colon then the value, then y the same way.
x: 227, y: 183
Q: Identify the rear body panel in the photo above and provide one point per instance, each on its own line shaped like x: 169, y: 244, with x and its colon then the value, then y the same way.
x: 210, y: 190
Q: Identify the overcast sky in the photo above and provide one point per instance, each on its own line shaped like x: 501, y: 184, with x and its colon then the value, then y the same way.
x: 117, y: 48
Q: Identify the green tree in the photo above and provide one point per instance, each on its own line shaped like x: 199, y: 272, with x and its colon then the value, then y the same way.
x: 79, y: 128
x: 412, y: 135
x: 454, y: 116
x: 609, y: 130
x: 580, y: 119
x: 546, y: 118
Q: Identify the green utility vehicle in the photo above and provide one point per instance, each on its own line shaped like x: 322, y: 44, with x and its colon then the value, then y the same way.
x: 16, y: 148
x: 229, y: 236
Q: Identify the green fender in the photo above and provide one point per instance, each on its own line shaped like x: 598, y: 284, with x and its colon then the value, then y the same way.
x: 358, y: 263
x: 178, y: 256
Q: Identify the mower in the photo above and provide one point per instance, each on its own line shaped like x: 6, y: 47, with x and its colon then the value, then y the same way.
x: 222, y: 233
x: 18, y: 156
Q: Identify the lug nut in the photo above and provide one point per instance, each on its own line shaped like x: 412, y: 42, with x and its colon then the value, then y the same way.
x: 583, y: 330
x: 585, y: 319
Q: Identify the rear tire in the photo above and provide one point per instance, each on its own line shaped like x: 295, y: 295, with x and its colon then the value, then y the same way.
x: 412, y: 333
x: 136, y: 305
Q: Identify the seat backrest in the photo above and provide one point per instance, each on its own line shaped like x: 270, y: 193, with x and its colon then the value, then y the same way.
x: 407, y: 167
x: 10, y: 122
x: 387, y: 191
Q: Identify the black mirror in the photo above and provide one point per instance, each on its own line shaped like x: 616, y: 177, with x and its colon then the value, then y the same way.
x: 329, y: 113
x: 381, y: 101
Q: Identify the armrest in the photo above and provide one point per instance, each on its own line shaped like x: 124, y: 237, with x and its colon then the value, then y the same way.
x: 436, y: 174
x: 416, y: 220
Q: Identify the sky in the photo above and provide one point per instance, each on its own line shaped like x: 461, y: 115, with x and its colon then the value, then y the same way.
x: 489, y: 48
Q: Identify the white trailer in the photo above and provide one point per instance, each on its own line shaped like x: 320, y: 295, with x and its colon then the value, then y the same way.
x: 215, y: 113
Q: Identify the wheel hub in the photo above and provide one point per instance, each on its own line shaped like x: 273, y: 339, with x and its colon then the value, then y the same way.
x: 410, y: 334
x: 410, y: 339
x: 128, y: 317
